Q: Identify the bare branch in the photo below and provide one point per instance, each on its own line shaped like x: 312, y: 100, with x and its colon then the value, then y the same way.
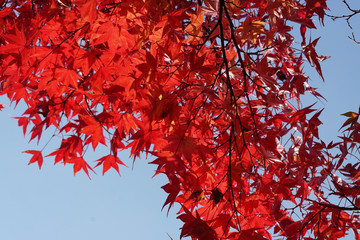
x: 347, y: 18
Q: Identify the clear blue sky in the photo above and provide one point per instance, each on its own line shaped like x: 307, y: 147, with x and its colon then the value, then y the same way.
x: 53, y: 204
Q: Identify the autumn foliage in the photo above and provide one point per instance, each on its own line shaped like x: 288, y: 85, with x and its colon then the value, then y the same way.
x: 210, y: 88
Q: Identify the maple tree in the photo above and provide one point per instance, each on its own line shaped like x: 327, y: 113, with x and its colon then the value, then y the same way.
x: 210, y: 88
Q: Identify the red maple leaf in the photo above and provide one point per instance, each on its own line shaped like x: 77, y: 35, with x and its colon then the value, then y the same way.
x: 110, y: 161
x: 37, y: 157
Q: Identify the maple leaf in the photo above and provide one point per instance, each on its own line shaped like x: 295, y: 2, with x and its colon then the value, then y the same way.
x: 23, y: 121
x: 67, y: 76
x: 313, y: 58
x: 36, y: 131
x: 37, y: 157
x: 317, y: 6
x: 173, y: 190
x: 79, y: 164
x: 109, y: 161
x: 70, y: 147
x: 94, y: 130
x: 15, y: 42
x: 196, y: 227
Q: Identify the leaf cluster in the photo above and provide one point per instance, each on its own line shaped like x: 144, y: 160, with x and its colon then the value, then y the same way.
x: 211, y: 89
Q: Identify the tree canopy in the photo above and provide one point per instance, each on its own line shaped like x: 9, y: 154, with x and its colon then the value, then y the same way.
x: 211, y: 89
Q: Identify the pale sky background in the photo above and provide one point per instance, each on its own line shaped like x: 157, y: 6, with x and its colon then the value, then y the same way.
x: 52, y: 204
